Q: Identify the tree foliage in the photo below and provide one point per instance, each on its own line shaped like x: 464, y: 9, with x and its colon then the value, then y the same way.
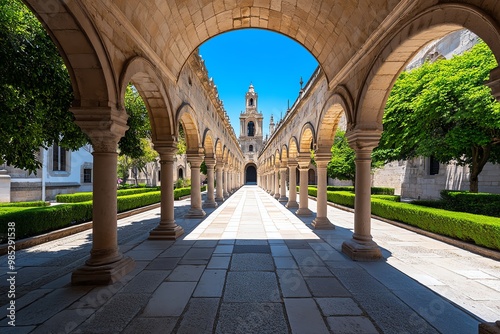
x: 35, y: 90
x: 342, y: 165
x: 131, y: 144
x: 443, y: 109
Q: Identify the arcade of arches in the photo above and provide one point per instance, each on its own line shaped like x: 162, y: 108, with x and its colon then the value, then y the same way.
x: 361, y: 47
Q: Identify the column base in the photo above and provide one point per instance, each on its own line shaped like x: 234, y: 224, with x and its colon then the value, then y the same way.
x: 166, y: 233
x: 303, y: 212
x: 102, y: 274
x: 292, y: 204
x: 283, y: 199
x: 276, y: 196
x: 210, y: 204
x: 219, y: 199
x: 195, y: 213
x: 489, y: 327
x: 322, y: 223
x: 369, y: 251
x: 226, y: 194
x: 271, y: 193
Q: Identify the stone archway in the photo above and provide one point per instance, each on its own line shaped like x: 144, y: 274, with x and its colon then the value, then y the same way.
x: 251, y: 174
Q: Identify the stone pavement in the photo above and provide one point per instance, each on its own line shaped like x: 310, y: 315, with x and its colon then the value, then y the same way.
x: 252, y: 266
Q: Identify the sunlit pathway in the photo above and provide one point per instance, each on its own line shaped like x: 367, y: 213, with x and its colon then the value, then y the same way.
x: 252, y: 266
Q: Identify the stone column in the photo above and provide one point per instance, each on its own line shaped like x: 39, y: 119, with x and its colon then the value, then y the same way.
x: 106, y: 265
x: 292, y: 184
x: 219, y: 175
x: 210, y: 201
x: 303, y: 195
x: 277, y: 181
x: 167, y: 229
x: 195, y: 160
x: 283, y: 197
x: 321, y: 221
x: 272, y: 187
x: 226, y: 180
x: 361, y: 247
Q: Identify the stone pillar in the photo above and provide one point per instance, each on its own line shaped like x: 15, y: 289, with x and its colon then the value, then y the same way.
x: 283, y: 197
x: 361, y: 247
x: 5, y: 186
x: 167, y: 229
x: 106, y: 265
x: 210, y: 201
x: 219, y: 175
x: 292, y: 184
x: 277, y: 181
x: 226, y: 180
x: 303, y: 195
x: 272, y: 186
x: 195, y: 160
x: 321, y: 221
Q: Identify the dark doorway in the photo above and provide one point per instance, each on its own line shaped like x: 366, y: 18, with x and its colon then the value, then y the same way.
x: 251, y: 175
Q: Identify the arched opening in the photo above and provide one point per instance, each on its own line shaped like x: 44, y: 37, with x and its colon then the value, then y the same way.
x: 250, y: 102
x: 180, y: 174
x: 251, y: 129
x: 250, y: 148
x: 251, y: 174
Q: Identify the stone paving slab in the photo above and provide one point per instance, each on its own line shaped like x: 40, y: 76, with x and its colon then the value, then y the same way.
x: 269, y: 274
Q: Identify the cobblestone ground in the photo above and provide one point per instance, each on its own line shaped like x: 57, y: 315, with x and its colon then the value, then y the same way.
x: 251, y: 266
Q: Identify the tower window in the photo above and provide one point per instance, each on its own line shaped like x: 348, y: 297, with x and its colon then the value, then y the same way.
x: 250, y: 102
x: 251, y: 129
x: 250, y: 148
x: 433, y: 166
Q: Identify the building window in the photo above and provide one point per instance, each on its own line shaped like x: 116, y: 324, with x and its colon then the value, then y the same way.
x: 87, y: 175
x: 433, y: 166
x: 251, y: 129
x: 250, y: 148
x: 180, y: 174
x: 58, y: 158
x: 250, y: 102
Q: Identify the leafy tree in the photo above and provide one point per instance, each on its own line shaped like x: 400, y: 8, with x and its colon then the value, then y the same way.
x: 181, y: 141
x: 35, y: 90
x: 342, y: 166
x: 444, y: 110
x: 139, y: 127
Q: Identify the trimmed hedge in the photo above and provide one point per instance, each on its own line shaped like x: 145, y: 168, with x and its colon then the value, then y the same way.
x: 481, y: 230
x: 87, y: 196
x: 25, y: 204
x: 374, y: 190
x: 478, y: 203
x: 35, y: 221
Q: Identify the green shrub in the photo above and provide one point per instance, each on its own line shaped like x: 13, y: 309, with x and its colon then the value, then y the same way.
x: 133, y: 191
x: 340, y: 188
x: 74, y: 198
x: 482, y: 230
x: 478, y: 203
x: 34, y: 221
x: 181, y: 192
x: 130, y: 202
x: 438, y: 204
x: 25, y: 204
x: 382, y: 191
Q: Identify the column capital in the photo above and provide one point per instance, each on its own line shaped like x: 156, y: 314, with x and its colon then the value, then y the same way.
x: 293, y: 163
x: 363, y: 140
x: 322, y: 158
x: 304, y: 161
x: 195, y: 159
x: 283, y: 169
x: 210, y: 162
x: 104, y: 126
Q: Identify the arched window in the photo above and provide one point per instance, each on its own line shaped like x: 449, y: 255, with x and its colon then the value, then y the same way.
x: 250, y: 148
x: 251, y: 129
x: 181, y: 173
x: 250, y: 102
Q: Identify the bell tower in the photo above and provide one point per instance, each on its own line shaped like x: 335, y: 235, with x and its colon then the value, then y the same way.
x: 251, y: 126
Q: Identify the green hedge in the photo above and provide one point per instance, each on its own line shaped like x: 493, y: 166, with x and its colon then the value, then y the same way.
x: 35, y: 221
x: 374, y: 190
x: 481, y: 230
x: 87, y: 196
x: 478, y: 203
x: 25, y: 204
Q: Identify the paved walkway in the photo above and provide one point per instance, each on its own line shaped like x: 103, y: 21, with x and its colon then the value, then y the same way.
x: 253, y: 267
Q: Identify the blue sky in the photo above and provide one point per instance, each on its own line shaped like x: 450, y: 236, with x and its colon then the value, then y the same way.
x: 270, y: 61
